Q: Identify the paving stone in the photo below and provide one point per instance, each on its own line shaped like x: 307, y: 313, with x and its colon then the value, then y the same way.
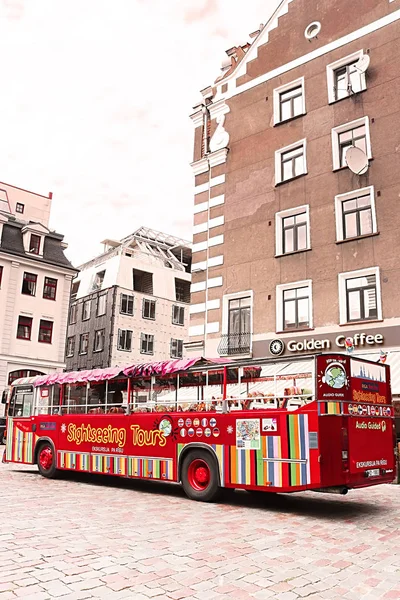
x: 123, y: 542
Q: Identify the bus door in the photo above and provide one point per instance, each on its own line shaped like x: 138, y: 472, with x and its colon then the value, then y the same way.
x: 19, y: 434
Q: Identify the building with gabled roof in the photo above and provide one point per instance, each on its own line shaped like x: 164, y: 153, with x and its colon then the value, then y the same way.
x: 130, y: 303
x: 35, y: 285
x: 296, y: 219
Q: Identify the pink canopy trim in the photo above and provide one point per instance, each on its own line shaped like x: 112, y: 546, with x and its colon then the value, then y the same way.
x: 168, y: 367
x: 78, y: 376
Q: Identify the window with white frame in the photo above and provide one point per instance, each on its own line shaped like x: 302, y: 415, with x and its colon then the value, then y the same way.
x: 355, y: 214
x: 125, y: 340
x: 294, y: 306
x: 290, y: 162
x: 178, y: 315
x: 176, y: 348
x: 344, y: 78
x: 70, y: 346
x: 146, y: 343
x: 289, y: 101
x: 86, y: 306
x: 360, y: 296
x: 99, y: 338
x: 126, y: 306
x: 292, y: 228
x: 101, y: 305
x: 356, y: 133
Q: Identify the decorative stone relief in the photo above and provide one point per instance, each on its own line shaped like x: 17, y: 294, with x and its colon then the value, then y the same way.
x: 220, y: 139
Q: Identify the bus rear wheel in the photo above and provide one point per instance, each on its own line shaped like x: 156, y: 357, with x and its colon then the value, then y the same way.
x: 46, y: 460
x: 200, y: 476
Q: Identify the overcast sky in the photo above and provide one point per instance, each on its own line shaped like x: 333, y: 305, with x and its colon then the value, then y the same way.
x: 95, y: 104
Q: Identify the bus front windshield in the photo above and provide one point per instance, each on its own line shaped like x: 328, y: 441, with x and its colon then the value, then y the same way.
x: 21, y: 402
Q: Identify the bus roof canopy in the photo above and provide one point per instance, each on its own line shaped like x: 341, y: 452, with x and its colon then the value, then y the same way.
x: 167, y: 367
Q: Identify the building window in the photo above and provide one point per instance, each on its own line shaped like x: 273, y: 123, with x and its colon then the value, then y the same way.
x: 45, y: 331
x: 1, y: 274
x: 34, y: 244
x: 289, y: 101
x: 176, y: 348
x: 126, y: 306
x: 74, y: 289
x: 20, y: 208
x: 98, y: 280
x: 86, y: 306
x: 294, y: 306
x: 355, y: 214
x: 292, y: 230
x: 182, y: 291
x: 70, y: 346
x: 236, y: 324
x: 24, y: 330
x: 101, y: 305
x: 143, y: 282
x: 344, y: 78
x: 99, y: 337
x: 178, y: 315
x: 290, y: 162
x: 73, y: 314
x: 125, y: 340
x: 50, y: 288
x: 355, y: 134
x: 146, y: 343
x: 29, y: 284
x: 83, y: 343
x: 360, y: 296
x: 148, y: 309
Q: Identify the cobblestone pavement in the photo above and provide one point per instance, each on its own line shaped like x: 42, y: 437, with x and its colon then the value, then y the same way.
x: 94, y: 537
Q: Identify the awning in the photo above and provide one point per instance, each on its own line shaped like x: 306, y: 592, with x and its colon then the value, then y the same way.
x: 168, y: 367
x: 78, y: 376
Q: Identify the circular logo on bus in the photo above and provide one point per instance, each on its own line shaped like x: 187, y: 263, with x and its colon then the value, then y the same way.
x: 204, y: 422
x: 165, y: 427
x: 277, y: 347
x: 188, y: 422
x: 196, y: 422
x: 213, y: 422
x: 181, y: 422
x: 216, y: 432
x: 335, y: 376
x: 199, y: 432
x: 183, y: 432
x: 191, y: 432
x: 207, y: 432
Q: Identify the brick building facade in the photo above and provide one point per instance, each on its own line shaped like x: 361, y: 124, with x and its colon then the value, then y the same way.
x: 292, y: 250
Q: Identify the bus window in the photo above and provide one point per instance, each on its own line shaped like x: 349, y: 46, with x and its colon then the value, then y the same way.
x: 117, y: 395
x: 21, y: 401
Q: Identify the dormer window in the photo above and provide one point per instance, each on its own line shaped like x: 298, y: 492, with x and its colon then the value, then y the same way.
x: 98, y: 280
x: 34, y: 244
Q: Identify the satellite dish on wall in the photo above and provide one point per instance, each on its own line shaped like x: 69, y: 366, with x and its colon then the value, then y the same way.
x: 356, y: 160
x: 363, y: 63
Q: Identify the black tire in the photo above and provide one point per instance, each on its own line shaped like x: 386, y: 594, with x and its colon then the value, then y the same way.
x: 46, y: 460
x: 199, y: 475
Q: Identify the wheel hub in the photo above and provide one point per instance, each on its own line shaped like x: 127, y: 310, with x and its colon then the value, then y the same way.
x: 46, y: 458
x: 199, y: 474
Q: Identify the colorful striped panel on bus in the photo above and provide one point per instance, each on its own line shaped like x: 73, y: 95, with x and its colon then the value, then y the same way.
x: 151, y: 468
x: 330, y: 408
x: 67, y: 460
x: 119, y: 467
x: 299, y: 449
x: 219, y: 450
x: 242, y: 466
x: 269, y: 472
x: 98, y: 463
x: 22, y: 445
x: 10, y: 437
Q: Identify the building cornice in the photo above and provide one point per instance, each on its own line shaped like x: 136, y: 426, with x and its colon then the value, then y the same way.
x: 200, y: 166
x: 218, y: 157
x: 218, y: 108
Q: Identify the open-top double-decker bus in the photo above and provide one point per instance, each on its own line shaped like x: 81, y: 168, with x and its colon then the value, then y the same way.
x: 284, y: 425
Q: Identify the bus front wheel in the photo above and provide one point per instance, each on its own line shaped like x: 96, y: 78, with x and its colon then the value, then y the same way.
x: 46, y: 460
x: 200, y: 476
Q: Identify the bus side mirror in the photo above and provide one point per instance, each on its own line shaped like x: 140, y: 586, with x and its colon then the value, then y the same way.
x: 4, y: 397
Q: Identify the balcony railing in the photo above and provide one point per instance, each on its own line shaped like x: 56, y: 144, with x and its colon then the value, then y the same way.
x: 233, y: 344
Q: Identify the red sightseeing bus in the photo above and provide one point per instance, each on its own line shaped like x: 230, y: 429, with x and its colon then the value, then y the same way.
x: 284, y: 425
